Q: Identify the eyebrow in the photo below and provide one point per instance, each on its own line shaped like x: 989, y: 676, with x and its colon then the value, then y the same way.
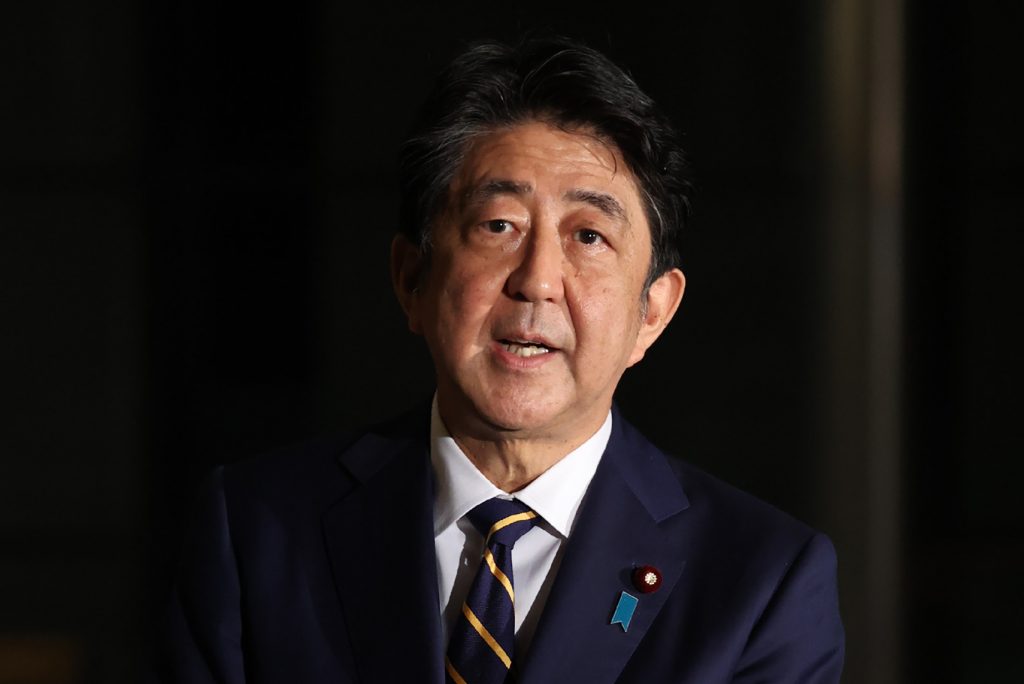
x: 479, y: 194
x: 603, y: 202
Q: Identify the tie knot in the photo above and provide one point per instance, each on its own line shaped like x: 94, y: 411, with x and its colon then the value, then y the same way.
x: 503, y: 521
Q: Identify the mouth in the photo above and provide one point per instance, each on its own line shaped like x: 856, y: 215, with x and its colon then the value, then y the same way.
x: 525, y: 348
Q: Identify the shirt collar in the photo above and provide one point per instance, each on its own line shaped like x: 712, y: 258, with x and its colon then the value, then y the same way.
x: 556, y: 495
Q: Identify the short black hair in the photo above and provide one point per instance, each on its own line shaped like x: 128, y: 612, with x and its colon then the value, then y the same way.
x: 559, y: 81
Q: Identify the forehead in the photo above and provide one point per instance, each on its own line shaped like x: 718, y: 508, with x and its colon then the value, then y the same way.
x: 543, y: 157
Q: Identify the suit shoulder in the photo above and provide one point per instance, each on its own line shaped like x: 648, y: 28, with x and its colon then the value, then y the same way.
x: 286, y: 470
x: 313, y: 470
x: 773, y: 575
x: 738, y: 525
x: 709, y: 495
x: 732, y: 518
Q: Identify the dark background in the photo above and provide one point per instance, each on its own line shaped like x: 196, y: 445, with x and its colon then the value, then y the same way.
x: 196, y: 202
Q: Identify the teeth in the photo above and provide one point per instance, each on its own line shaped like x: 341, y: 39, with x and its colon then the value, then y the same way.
x: 525, y: 349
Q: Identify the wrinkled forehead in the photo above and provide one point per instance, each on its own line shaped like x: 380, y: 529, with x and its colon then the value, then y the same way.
x: 517, y: 157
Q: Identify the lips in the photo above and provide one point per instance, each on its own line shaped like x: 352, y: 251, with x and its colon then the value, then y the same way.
x: 524, y: 343
x: 524, y: 348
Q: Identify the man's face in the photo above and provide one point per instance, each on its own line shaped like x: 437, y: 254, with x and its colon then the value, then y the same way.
x: 532, y: 304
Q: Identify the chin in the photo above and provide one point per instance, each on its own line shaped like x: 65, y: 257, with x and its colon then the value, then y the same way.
x: 518, y: 413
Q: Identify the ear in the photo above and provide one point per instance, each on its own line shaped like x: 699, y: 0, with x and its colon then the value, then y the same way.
x: 663, y: 299
x: 406, y: 270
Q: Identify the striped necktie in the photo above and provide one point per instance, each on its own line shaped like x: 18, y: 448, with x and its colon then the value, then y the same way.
x: 480, y: 648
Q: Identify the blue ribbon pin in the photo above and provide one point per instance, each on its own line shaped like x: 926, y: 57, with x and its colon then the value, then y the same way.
x: 624, y: 610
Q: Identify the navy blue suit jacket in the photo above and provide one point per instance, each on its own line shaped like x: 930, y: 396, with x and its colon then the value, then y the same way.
x: 317, y: 565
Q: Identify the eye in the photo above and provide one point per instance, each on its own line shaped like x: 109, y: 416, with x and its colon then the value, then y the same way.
x: 589, y: 237
x: 497, y: 226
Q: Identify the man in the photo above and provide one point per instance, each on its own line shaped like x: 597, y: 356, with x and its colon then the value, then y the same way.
x: 519, y: 529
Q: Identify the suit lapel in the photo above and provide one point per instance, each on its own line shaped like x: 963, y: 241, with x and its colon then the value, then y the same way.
x: 381, y: 545
x: 630, y: 517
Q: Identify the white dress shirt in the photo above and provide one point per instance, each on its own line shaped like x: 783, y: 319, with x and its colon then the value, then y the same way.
x: 555, y: 496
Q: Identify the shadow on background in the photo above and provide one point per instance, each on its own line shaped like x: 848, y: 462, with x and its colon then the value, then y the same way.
x: 196, y: 202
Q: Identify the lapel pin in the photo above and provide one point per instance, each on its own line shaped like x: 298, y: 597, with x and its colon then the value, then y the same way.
x: 624, y: 610
x: 647, y: 579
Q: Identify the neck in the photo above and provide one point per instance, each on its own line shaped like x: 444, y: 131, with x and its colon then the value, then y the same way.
x: 511, y: 458
x: 514, y: 463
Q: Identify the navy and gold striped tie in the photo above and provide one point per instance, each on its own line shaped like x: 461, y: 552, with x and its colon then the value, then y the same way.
x: 480, y: 648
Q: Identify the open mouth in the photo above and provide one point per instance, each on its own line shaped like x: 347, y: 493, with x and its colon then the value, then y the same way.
x: 523, y: 348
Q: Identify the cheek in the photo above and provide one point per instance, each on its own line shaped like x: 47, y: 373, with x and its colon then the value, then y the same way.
x: 600, y: 296
x: 607, y: 320
x: 467, y: 298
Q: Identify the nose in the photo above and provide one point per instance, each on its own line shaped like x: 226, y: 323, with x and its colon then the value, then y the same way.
x: 539, y: 273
